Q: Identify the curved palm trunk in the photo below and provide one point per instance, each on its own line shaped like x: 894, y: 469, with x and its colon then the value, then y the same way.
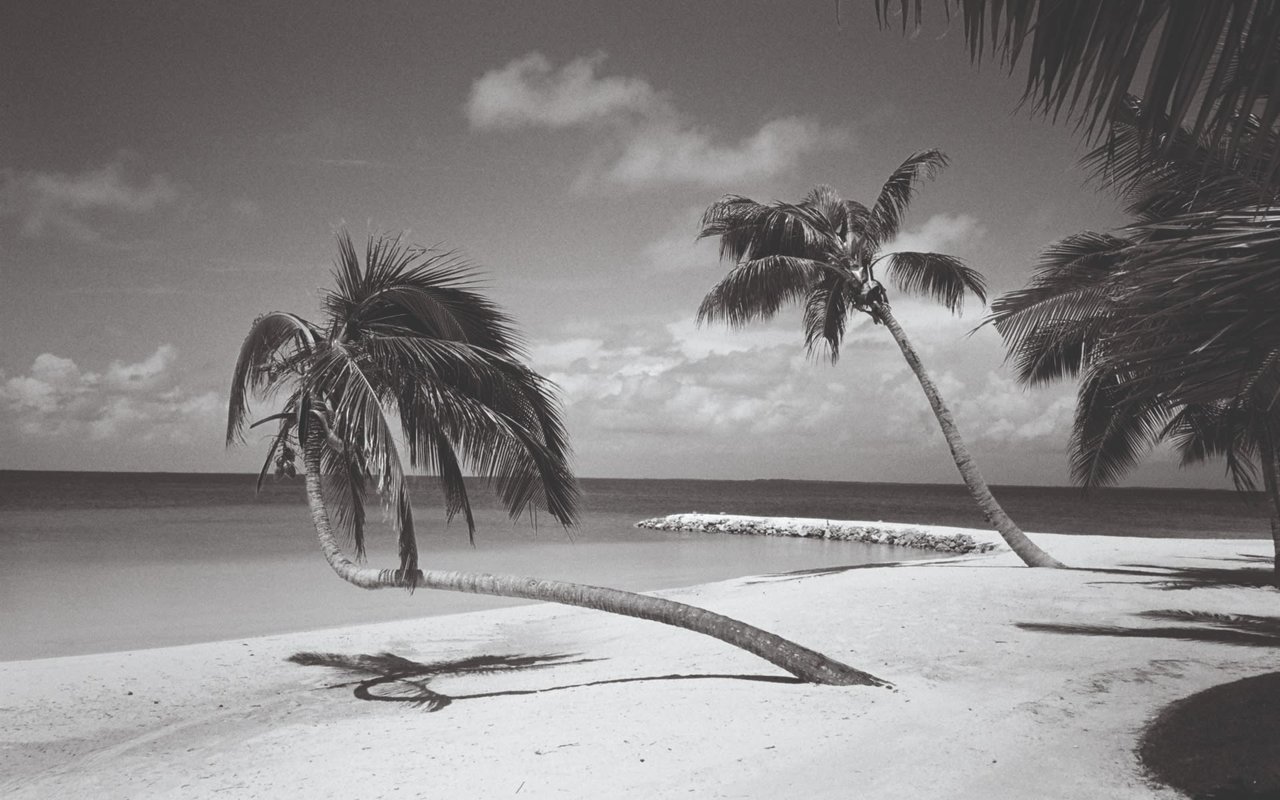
x: 805, y: 664
x: 1026, y: 549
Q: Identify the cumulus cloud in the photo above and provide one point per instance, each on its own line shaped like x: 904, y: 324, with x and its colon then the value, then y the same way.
x: 530, y: 92
x: 669, y: 153
x: 75, y: 204
x: 941, y: 233
x: 647, y: 140
x: 143, y: 400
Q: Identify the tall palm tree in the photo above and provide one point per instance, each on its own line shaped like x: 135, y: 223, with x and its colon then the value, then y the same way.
x: 823, y: 253
x: 1076, y: 318
x: 407, y: 339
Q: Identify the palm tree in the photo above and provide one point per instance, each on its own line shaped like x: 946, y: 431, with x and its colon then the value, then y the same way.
x: 1076, y: 318
x: 407, y: 339
x: 823, y: 253
x: 1061, y: 326
x: 1197, y: 322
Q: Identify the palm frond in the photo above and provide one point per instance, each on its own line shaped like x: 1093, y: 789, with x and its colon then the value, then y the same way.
x: 1207, y: 65
x: 1202, y: 432
x: 940, y: 277
x: 750, y: 231
x: 1184, y: 174
x: 422, y: 291
x: 826, y: 312
x: 1070, y: 283
x: 258, y: 363
x: 885, y: 219
x: 758, y: 289
x: 1197, y: 320
x: 1113, y: 429
x: 500, y: 417
x: 1057, y: 349
x: 357, y: 417
x: 343, y: 484
x: 279, y: 452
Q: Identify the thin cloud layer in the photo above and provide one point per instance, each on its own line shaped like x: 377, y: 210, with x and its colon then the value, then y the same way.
x: 678, y: 393
x: 73, y: 205
x: 677, y: 249
x: 143, y: 401
x: 646, y: 140
x: 670, y: 153
x: 941, y: 233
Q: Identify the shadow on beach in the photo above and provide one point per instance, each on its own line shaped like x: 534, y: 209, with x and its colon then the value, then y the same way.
x: 401, y: 680
x: 1219, y: 744
x: 1245, y: 630
x: 814, y: 572
x: 1262, y: 576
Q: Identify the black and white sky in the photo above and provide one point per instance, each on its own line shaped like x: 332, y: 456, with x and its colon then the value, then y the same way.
x: 168, y: 171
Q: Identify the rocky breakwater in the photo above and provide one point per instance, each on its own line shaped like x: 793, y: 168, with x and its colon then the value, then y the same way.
x: 929, y: 537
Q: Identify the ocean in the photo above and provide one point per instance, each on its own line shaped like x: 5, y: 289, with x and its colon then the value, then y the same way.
x: 97, y: 562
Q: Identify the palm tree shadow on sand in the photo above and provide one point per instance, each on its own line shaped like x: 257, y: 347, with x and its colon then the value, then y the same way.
x: 1259, y: 574
x: 1245, y: 630
x: 402, y: 680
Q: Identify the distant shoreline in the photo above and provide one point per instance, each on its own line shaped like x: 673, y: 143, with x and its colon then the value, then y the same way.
x: 600, y: 478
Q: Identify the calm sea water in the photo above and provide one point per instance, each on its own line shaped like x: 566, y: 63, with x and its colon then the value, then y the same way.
x: 95, y: 562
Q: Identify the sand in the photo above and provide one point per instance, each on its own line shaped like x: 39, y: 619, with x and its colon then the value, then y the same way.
x: 983, y: 708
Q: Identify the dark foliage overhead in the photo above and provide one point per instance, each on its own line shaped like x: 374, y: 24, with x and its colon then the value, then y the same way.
x: 1207, y: 66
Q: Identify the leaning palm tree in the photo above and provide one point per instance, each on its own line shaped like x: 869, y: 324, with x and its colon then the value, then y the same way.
x: 407, y: 339
x: 823, y: 253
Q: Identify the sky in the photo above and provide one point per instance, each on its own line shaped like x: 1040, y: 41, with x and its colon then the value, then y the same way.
x: 170, y: 171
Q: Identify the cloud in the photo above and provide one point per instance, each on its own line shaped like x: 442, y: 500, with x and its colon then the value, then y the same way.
x: 73, y: 205
x: 941, y: 233
x: 645, y: 140
x: 244, y: 207
x: 530, y: 92
x: 674, y: 399
x: 678, y: 250
x: 991, y: 409
x: 631, y: 386
x: 671, y: 153
x: 143, y: 400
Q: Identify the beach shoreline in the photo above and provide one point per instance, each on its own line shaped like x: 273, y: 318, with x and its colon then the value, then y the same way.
x: 991, y: 700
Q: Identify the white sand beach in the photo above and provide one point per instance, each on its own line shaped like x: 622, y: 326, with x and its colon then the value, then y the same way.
x: 982, y: 708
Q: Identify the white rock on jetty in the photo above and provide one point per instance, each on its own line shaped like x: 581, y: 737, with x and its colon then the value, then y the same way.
x: 924, y: 537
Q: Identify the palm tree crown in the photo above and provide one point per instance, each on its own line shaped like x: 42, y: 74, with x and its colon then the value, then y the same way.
x: 823, y: 252
x: 405, y: 338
